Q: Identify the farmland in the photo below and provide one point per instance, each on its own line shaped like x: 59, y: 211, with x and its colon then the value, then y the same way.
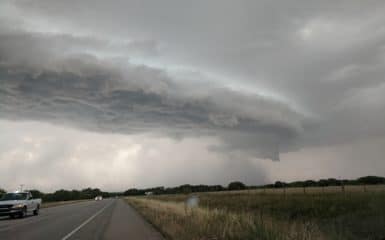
x: 352, y: 212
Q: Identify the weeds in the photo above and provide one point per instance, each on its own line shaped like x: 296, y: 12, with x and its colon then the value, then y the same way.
x: 248, y: 215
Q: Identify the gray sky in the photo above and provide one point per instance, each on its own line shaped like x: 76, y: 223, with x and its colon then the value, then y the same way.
x: 119, y: 94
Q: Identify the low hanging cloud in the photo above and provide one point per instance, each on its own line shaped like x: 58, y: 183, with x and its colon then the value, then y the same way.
x: 101, y: 95
x: 313, y: 74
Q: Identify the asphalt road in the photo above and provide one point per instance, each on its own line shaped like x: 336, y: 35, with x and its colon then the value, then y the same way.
x: 106, y: 219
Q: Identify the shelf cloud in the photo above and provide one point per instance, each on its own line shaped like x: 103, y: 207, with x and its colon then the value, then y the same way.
x: 263, y: 79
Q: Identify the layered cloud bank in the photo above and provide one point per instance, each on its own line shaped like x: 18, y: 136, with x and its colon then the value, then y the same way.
x: 43, y: 80
x: 262, y: 79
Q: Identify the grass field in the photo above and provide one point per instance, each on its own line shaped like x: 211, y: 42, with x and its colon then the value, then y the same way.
x: 329, y: 213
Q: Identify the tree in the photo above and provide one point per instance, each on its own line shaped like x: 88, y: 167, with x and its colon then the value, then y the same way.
x: 88, y: 193
x: 371, y: 180
x: 2, y: 191
x: 133, y: 192
x: 236, y: 186
x: 323, y: 183
x: 280, y: 184
x: 186, y: 189
x: 37, y: 193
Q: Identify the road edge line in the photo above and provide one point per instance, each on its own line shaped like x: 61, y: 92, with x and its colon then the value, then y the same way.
x: 86, y: 222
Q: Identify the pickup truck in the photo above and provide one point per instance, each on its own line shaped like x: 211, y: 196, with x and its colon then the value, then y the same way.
x: 19, y: 204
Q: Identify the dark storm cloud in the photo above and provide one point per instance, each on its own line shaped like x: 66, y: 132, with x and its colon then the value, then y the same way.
x: 86, y: 92
x: 325, y: 61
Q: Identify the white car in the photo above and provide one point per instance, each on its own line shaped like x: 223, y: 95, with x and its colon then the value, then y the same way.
x: 19, y: 204
x: 98, y: 198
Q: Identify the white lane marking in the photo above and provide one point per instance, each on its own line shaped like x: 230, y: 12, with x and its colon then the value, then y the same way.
x: 85, y: 222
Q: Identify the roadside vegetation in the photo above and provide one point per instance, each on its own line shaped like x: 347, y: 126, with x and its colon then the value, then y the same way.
x: 187, y: 188
x: 52, y: 200
x: 351, y: 212
x: 89, y: 193
x: 68, y: 195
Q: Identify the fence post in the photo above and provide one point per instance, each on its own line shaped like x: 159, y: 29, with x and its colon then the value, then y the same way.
x: 342, y: 187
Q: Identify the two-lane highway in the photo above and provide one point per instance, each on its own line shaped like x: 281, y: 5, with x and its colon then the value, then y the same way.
x: 107, y: 219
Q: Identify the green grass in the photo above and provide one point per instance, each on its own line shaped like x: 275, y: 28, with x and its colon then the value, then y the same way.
x: 350, y: 215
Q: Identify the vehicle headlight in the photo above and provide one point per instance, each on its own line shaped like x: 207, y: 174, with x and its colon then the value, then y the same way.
x: 18, y: 206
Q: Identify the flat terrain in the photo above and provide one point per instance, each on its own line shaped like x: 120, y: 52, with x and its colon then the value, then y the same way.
x: 107, y: 219
x: 354, y: 213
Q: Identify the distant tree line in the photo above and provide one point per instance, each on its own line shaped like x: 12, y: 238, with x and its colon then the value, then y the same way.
x: 89, y: 193
x: 186, y: 188
x: 68, y: 195
x: 368, y: 180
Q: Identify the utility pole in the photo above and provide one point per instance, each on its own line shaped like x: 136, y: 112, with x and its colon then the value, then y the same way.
x: 21, y: 187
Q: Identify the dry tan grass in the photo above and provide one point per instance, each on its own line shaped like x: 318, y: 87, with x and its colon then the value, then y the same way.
x: 329, y: 213
x: 300, y: 190
x: 177, y: 221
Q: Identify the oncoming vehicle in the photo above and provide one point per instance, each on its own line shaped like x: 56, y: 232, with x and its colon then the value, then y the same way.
x: 98, y: 198
x: 19, y: 204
